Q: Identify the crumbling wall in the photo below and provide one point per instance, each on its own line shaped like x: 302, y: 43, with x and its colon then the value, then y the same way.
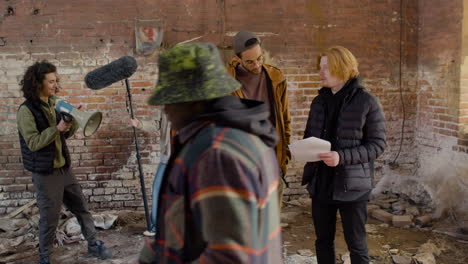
x: 393, y: 45
x: 441, y: 175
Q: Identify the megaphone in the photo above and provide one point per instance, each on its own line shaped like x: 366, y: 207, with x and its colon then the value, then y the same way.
x: 89, y: 122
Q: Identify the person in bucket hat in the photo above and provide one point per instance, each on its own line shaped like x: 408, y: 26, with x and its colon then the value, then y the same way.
x: 218, y: 201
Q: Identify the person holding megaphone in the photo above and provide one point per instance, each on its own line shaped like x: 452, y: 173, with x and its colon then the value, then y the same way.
x: 43, y: 133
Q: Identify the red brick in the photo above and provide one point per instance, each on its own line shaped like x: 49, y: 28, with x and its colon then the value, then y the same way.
x: 23, y: 180
x: 90, y: 163
x: 104, y: 169
x: 91, y: 142
x: 100, y: 175
x: 6, y: 181
x: 13, y: 188
x: 84, y: 170
x: 108, y: 149
x: 93, y: 100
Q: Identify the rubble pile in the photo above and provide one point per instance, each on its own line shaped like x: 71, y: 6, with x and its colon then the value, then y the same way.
x: 19, y: 231
x: 400, y: 211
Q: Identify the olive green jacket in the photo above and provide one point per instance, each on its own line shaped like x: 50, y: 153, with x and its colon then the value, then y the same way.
x: 37, y: 140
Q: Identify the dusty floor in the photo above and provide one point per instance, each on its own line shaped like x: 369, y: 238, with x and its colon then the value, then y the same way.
x: 125, y: 240
x: 381, y: 239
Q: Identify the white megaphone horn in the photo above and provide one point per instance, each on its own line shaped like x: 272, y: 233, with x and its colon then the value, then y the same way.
x: 89, y: 122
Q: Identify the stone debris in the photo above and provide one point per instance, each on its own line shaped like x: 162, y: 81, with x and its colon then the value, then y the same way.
x: 399, y: 211
x: 382, y: 215
x: 402, y: 260
x: 301, y: 202
x: 19, y: 231
x: 372, y: 207
x: 8, y: 244
x: 306, y: 202
x: 289, y: 217
x: 72, y: 227
x: 294, y: 203
x: 426, y: 253
x: 12, y: 225
x: 382, y: 204
x: 104, y: 221
x: 402, y: 220
x: 412, y: 210
x: 298, y: 259
x: 346, y: 259
x: 305, y: 252
x: 371, y: 229
x: 423, y: 220
x: 399, y: 207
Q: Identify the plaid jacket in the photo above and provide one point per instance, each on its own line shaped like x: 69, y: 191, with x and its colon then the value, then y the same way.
x: 218, y: 201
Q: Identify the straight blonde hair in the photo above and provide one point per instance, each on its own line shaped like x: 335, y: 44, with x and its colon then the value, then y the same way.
x: 341, y: 62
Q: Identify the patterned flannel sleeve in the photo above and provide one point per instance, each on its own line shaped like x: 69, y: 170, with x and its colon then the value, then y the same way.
x: 148, y: 252
x: 230, y: 205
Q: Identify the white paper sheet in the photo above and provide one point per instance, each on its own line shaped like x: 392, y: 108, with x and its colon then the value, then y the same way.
x: 307, y: 150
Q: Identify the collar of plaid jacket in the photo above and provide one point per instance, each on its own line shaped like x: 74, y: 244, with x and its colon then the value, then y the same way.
x: 191, y: 130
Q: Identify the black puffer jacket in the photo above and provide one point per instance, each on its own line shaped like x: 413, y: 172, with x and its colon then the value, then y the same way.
x: 360, y: 139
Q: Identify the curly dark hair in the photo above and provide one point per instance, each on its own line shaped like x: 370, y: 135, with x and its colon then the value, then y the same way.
x: 33, y: 77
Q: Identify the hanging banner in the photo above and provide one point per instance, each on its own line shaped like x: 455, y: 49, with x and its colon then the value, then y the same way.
x: 148, y: 36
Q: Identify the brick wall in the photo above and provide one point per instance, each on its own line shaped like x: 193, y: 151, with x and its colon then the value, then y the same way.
x: 79, y: 36
x: 440, y: 95
x: 463, y: 113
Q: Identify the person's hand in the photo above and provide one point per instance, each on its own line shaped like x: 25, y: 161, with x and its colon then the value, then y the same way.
x: 331, y: 159
x: 63, y: 126
x: 135, y: 123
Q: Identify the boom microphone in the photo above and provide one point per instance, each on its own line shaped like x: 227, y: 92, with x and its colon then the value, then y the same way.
x: 106, y: 75
x: 113, y: 72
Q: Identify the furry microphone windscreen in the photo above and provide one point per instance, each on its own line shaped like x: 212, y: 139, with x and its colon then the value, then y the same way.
x: 113, y: 72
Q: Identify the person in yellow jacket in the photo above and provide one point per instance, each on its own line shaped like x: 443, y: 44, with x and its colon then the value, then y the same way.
x: 265, y: 83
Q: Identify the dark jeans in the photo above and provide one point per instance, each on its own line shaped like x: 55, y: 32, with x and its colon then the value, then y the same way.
x: 353, y: 219
x: 52, y: 190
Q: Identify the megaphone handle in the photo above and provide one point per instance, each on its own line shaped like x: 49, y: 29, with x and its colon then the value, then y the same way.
x: 67, y: 117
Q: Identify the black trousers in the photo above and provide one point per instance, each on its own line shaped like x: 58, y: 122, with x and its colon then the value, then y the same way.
x: 52, y: 190
x: 353, y: 219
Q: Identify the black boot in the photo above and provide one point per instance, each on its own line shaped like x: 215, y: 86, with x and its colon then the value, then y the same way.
x: 44, y: 260
x: 97, y: 249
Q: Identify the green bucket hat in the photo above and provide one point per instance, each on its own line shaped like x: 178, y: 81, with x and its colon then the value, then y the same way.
x: 191, y: 72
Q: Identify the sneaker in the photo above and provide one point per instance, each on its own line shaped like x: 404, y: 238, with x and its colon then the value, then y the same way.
x: 44, y: 260
x: 98, y: 250
x: 149, y: 233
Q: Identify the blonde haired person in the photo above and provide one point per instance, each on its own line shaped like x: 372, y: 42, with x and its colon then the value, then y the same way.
x: 348, y: 116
